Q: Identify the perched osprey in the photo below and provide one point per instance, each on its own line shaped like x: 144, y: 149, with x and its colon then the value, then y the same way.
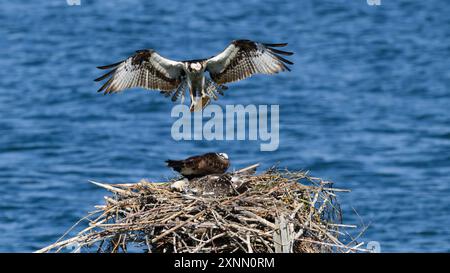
x: 147, y: 69
x: 201, y: 165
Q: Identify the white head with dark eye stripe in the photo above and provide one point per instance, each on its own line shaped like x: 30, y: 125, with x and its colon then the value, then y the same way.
x: 223, y: 156
x: 195, y: 66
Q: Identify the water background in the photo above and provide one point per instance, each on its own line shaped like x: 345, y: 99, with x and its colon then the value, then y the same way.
x: 367, y: 105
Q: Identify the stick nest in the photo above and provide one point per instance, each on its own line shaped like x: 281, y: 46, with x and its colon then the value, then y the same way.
x: 276, y: 211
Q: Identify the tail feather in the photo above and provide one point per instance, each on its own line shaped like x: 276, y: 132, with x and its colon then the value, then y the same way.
x: 176, y: 93
x: 212, y: 89
x: 180, y: 92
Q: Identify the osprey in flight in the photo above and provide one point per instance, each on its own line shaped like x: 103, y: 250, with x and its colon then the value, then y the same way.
x: 147, y: 69
x: 201, y: 165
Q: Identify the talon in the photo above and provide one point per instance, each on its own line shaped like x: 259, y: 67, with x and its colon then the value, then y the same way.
x: 195, y: 106
x: 205, y: 101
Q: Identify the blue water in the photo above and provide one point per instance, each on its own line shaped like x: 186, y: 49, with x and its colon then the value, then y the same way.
x: 366, y: 106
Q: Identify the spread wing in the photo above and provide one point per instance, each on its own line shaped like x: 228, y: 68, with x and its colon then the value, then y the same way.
x: 243, y: 58
x: 146, y: 69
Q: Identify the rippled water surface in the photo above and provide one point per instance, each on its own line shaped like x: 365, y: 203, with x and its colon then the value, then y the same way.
x: 366, y: 106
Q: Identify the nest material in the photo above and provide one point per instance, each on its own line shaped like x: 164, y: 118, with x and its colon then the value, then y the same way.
x: 275, y: 211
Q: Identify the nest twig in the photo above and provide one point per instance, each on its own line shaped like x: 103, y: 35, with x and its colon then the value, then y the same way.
x: 276, y: 211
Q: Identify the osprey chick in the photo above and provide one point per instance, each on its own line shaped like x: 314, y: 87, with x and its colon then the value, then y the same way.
x: 147, y: 69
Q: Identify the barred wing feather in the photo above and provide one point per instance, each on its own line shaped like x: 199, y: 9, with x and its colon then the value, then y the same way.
x: 244, y: 58
x: 146, y: 69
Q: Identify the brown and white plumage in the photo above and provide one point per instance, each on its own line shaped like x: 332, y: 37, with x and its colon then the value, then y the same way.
x: 201, y: 165
x: 148, y: 69
x: 244, y: 58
